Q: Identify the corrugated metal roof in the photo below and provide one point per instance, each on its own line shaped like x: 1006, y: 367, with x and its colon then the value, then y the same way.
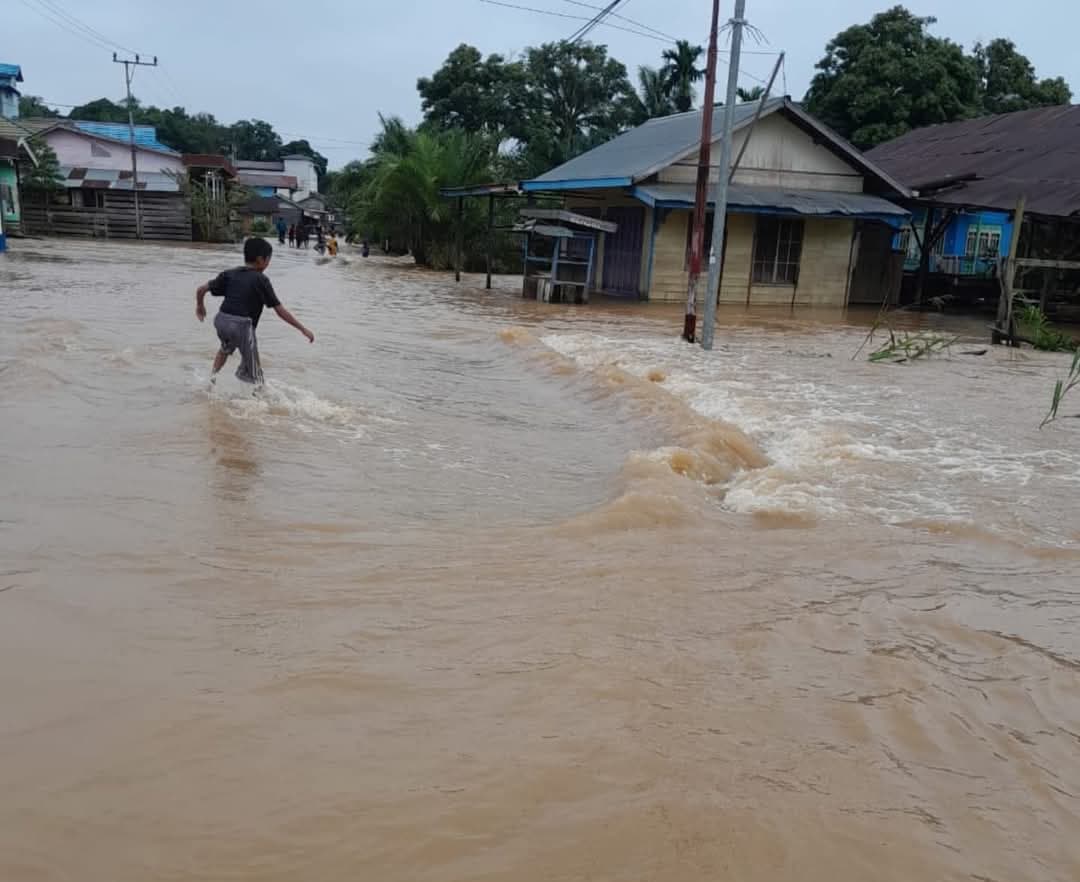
x: 18, y: 129
x: 209, y: 160
x: 11, y: 70
x: 634, y: 154
x: 116, y: 179
x: 145, y: 136
x: 255, y: 179
x: 260, y: 165
x: 748, y: 198
x: 1034, y: 153
x: 641, y: 152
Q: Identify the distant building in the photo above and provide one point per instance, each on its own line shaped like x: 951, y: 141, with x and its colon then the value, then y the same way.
x: 10, y: 75
x: 292, y: 176
x: 95, y: 197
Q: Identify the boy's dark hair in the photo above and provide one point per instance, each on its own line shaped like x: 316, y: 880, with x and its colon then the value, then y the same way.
x: 254, y: 248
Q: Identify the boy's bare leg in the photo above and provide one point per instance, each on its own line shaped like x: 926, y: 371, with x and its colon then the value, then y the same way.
x: 219, y: 363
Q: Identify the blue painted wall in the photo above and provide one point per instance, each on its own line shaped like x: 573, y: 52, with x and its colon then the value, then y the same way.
x: 954, y: 240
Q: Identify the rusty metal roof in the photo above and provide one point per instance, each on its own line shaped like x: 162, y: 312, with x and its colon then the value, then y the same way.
x: 991, y: 161
x: 259, y: 179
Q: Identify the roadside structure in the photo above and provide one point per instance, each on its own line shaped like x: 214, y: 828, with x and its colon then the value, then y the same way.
x: 268, y: 210
x: 95, y: 194
x: 968, y: 180
x: 811, y: 220
x: 293, y: 176
x: 13, y: 148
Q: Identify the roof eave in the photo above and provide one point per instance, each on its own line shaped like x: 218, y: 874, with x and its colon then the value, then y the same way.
x: 576, y: 184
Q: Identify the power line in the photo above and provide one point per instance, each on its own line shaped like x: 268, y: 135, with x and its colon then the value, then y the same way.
x: 67, y: 16
x: 59, y: 22
x: 551, y: 12
x: 638, y: 24
x: 583, y: 31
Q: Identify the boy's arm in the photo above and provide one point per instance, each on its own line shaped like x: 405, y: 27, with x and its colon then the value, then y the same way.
x: 215, y: 286
x: 200, y: 307
x: 290, y: 319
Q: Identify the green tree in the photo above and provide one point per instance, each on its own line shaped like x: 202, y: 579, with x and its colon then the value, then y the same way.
x: 394, y: 137
x: 31, y: 106
x: 255, y: 139
x: 188, y: 133
x: 881, y: 79
x: 681, y: 72
x: 41, y: 179
x: 473, y: 93
x: 575, y: 98
x: 654, y: 97
x: 1007, y: 80
x: 101, y: 110
x: 303, y: 148
x: 401, y: 200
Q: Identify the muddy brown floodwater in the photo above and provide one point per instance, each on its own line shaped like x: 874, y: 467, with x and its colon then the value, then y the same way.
x: 487, y: 590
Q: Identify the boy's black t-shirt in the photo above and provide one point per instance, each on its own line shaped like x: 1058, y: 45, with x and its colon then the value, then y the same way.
x: 246, y: 292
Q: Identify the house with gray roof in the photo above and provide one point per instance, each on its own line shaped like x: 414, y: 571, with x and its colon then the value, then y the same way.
x: 810, y: 219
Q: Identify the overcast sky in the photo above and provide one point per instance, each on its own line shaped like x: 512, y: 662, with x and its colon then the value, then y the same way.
x: 323, y: 71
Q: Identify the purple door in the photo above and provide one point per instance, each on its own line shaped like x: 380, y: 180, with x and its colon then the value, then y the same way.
x: 622, y: 251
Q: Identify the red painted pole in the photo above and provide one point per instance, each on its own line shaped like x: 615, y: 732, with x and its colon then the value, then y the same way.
x: 697, y: 240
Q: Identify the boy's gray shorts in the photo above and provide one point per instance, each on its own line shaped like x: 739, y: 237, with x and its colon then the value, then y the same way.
x: 236, y: 332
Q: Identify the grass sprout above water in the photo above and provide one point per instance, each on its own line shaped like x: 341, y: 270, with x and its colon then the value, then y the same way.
x: 903, y: 347
x: 1062, y: 388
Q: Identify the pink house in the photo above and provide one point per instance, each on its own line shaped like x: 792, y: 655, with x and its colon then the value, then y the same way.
x: 97, y: 196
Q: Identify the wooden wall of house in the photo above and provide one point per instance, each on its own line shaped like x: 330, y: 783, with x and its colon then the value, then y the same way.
x: 166, y: 216
x: 780, y: 154
x: 823, y: 269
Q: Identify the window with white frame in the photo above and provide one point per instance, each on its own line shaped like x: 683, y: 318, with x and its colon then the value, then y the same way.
x: 777, y: 250
x: 989, y: 242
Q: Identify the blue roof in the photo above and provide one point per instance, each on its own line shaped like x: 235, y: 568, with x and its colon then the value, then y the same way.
x: 145, y: 136
x: 636, y: 155
x: 11, y: 70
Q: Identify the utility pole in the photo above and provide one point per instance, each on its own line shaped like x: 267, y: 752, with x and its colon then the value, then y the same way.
x: 716, y: 258
x: 129, y: 72
x: 697, y: 239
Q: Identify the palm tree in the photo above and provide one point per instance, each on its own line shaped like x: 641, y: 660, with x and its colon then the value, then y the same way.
x: 681, y: 72
x: 654, y: 98
x: 402, y: 200
x: 750, y: 94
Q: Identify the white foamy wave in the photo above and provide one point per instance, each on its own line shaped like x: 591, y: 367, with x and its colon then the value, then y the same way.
x: 300, y: 408
x: 834, y: 450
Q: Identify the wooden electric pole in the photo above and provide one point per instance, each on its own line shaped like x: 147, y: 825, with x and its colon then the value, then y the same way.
x: 129, y: 72
x: 697, y: 239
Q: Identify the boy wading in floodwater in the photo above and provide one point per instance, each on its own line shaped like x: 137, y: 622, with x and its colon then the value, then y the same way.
x: 246, y: 290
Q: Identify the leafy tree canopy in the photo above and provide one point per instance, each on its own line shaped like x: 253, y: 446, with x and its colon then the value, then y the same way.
x: 33, y: 106
x: 575, y: 98
x: 472, y: 93
x: 881, y: 79
x: 1007, y: 80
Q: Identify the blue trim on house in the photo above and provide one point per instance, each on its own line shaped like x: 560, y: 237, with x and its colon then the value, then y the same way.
x: 582, y: 184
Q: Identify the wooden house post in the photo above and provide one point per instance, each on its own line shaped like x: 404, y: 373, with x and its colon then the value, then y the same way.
x: 1004, y: 313
x: 460, y: 247
x: 490, y: 236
